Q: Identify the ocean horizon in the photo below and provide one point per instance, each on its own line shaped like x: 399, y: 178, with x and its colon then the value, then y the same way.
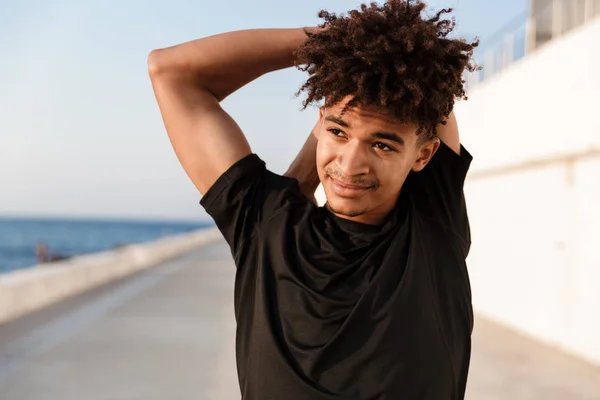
x: 75, y: 236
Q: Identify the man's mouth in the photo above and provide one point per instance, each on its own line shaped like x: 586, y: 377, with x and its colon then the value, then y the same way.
x: 349, y: 186
x: 343, y: 189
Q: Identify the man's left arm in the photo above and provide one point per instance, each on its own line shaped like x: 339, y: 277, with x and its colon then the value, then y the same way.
x: 448, y: 133
x: 438, y: 188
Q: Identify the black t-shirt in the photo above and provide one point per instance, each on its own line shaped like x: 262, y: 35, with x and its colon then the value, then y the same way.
x: 328, y: 308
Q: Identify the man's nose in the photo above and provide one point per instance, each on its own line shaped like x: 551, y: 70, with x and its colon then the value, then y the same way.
x: 353, y: 160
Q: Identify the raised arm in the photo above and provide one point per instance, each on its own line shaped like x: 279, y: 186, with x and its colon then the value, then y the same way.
x: 449, y: 133
x: 304, y: 166
x: 191, y: 79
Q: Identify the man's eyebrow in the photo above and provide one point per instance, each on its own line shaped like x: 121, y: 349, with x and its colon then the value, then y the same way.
x: 392, y: 137
x: 338, y: 121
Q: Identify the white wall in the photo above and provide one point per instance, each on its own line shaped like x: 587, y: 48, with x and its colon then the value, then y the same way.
x: 535, y: 259
x: 544, y: 104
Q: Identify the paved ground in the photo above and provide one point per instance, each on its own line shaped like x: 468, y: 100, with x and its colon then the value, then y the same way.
x: 168, y: 334
x: 506, y: 366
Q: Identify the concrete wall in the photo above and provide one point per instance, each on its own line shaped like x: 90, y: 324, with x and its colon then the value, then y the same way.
x: 534, y: 193
x: 26, y: 290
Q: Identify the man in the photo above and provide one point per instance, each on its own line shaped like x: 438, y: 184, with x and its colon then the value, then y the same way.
x: 369, y: 296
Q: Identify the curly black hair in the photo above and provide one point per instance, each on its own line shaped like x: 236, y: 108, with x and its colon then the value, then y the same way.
x: 388, y: 56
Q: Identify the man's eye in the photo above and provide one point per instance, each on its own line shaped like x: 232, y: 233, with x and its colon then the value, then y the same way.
x: 383, y: 147
x: 335, y: 132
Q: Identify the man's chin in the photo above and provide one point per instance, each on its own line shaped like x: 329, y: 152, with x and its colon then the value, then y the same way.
x: 348, y: 208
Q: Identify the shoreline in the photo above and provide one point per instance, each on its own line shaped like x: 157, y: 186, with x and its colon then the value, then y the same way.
x: 69, y: 237
x: 28, y: 289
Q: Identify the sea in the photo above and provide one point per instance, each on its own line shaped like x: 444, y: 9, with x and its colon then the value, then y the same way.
x: 73, y: 237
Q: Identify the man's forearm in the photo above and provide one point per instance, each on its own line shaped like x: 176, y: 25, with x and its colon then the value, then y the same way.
x: 304, y: 168
x: 448, y: 133
x: 225, y: 62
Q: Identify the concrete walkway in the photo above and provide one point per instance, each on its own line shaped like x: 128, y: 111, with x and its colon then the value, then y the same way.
x: 168, y: 333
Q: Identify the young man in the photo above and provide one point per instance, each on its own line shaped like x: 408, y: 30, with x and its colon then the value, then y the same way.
x: 369, y: 296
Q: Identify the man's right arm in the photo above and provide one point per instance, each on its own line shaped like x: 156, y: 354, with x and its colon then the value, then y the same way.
x: 304, y: 167
x: 191, y: 79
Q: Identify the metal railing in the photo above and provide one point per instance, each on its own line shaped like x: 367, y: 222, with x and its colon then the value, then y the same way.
x: 527, y: 33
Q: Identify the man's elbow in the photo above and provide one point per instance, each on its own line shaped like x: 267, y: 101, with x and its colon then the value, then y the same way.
x: 156, y: 63
x: 168, y: 65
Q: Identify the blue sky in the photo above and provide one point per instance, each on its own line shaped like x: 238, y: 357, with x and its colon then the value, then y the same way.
x: 80, y: 132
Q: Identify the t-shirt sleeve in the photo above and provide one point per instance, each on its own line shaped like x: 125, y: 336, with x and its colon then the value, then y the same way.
x: 438, y: 191
x: 244, y: 197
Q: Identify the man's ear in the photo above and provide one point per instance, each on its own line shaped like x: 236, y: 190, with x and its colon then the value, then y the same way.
x: 425, y: 153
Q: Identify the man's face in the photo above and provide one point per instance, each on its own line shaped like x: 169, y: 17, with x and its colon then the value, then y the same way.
x: 363, y: 159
